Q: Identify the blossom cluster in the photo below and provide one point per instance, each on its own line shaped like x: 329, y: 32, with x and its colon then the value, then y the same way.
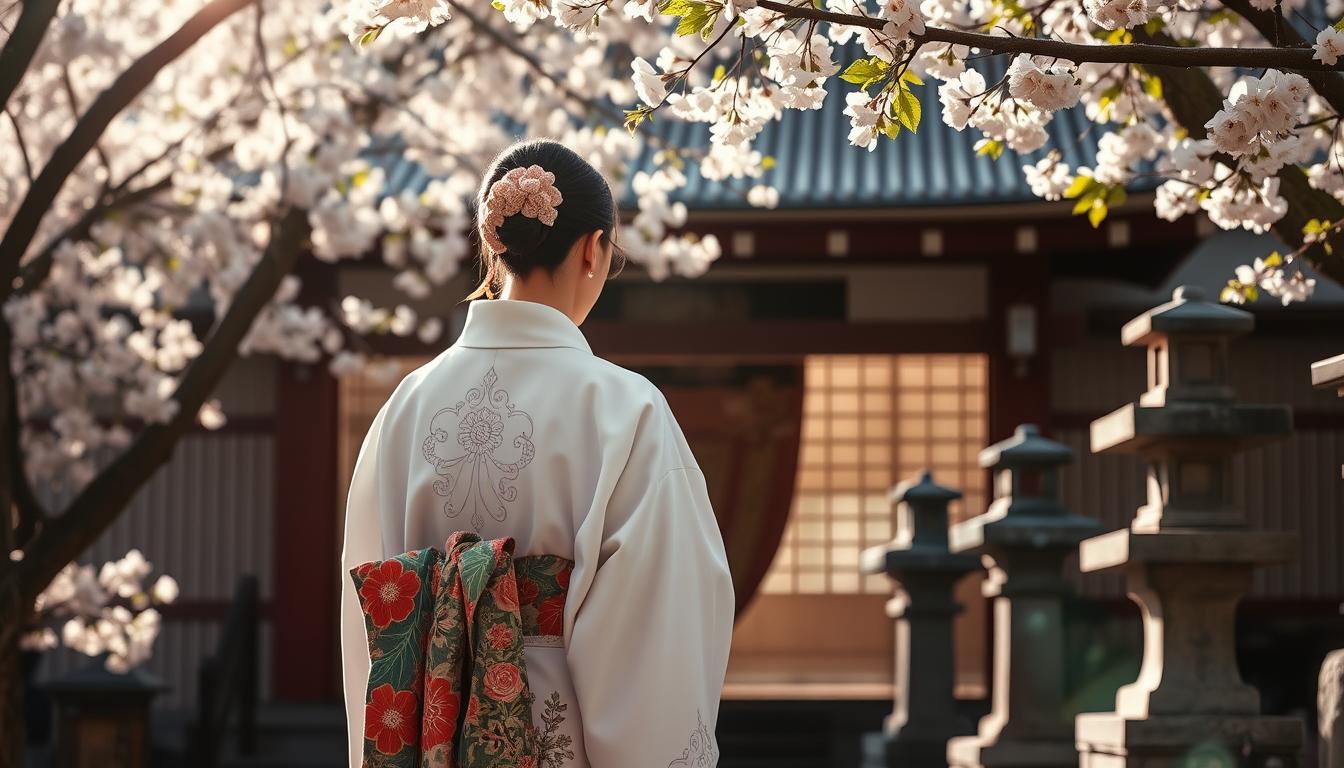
x: 105, y: 611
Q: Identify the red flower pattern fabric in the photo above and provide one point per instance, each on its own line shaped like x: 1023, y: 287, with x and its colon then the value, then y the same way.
x: 446, y: 628
x: 389, y: 719
x: 388, y: 592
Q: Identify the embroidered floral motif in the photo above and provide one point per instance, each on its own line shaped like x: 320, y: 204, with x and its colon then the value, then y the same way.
x: 700, y: 752
x: 554, y: 746
x: 478, y: 448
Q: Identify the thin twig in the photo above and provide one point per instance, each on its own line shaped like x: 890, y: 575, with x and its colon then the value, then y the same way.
x: 75, y: 115
x: 512, y: 46
x: 275, y: 97
x: 23, y: 147
x: 1129, y: 53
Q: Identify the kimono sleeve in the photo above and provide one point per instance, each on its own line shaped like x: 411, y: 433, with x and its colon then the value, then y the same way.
x: 363, y: 543
x: 649, y: 643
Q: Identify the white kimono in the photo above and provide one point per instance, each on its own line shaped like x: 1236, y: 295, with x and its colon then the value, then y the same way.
x: 518, y: 430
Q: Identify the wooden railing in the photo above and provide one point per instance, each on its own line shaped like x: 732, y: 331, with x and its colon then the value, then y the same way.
x: 228, y: 682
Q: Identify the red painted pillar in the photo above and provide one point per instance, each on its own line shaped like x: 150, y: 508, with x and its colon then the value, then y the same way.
x: 305, y: 620
x: 1019, y: 388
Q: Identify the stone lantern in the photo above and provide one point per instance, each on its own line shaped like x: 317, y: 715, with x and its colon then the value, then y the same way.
x: 1029, y: 534
x: 102, y: 717
x: 1188, y: 555
x: 925, y: 571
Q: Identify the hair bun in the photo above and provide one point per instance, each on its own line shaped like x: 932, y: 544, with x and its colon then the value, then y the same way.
x: 522, y: 235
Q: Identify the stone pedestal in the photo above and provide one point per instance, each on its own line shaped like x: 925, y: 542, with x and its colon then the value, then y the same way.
x: 1029, y: 534
x: 1188, y: 555
x: 925, y: 716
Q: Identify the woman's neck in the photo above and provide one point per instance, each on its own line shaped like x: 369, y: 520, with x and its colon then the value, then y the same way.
x: 540, y: 288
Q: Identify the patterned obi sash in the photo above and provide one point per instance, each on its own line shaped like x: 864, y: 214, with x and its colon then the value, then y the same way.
x: 447, y: 680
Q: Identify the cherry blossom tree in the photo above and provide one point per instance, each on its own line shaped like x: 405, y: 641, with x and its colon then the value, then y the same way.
x: 165, y: 169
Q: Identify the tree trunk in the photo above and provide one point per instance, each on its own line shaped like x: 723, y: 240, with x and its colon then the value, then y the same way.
x: 13, y: 613
x: 11, y: 690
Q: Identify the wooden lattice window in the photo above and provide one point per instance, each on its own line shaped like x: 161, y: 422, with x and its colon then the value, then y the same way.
x: 868, y: 422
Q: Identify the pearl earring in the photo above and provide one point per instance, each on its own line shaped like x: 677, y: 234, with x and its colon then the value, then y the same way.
x: 590, y: 274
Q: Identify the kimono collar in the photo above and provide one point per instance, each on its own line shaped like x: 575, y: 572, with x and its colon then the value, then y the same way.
x: 508, y: 323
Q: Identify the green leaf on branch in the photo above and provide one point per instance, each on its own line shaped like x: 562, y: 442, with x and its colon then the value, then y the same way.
x: 1120, y: 36
x: 1094, y: 198
x: 907, y: 108
x: 371, y: 34
x: 1081, y: 184
x: 866, y: 72
x: 719, y: 72
x: 697, y: 18
x: 1238, y: 292
x: 1316, y: 231
x: 1339, y: 24
x: 910, y: 77
x: 1107, y: 101
x: 992, y: 147
x: 768, y: 162
x: 1152, y: 86
x: 636, y: 117
x: 891, y: 128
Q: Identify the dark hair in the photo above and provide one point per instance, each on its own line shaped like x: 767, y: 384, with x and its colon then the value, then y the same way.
x: 530, y: 244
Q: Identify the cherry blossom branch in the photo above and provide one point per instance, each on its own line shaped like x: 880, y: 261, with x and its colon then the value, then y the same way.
x: 22, y: 44
x: 1193, y: 99
x: 1329, y: 85
x: 66, y: 158
x: 1129, y: 53
x: 100, y: 502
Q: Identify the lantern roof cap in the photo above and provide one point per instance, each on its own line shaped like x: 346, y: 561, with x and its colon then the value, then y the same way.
x: 1188, y: 313
x: 923, y: 491
x: 1027, y: 448
x: 95, y: 678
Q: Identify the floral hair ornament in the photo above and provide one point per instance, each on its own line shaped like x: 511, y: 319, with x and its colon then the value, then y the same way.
x: 530, y: 191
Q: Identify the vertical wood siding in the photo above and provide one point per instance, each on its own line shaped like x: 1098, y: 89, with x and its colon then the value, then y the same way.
x: 204, y: 518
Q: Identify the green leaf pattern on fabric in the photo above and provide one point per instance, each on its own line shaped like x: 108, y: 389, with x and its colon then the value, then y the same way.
x: 448, y: 678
